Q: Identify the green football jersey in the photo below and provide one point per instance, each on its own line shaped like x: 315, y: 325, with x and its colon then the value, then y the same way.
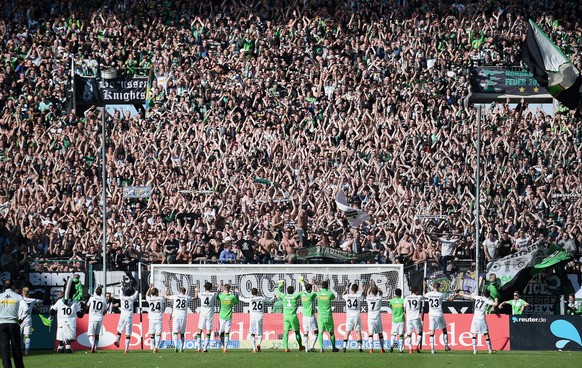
x: 516, y: 306
x: 397, y: 306
x: 290, y: 303
x: 307, y: 302
x: 227, y: 301
x: 324, y: 299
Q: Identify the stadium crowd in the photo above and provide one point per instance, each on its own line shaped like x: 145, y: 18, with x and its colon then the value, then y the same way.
x: 261, y: 112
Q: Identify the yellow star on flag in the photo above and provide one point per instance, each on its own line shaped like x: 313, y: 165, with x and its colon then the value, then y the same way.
x: 521, y: 89
x: 536, y: 89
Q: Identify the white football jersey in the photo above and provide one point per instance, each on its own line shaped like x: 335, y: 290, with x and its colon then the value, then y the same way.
x: 97, y: 306
x: 374, y: 306
x: 157, y: 306
x: 481, y: 305
x: 435, y: 303
x: 126, y: 304
x: 353, y: 303
x: 256, y: 305
x: 180, y: 305
x: 413, y: 305
x: 25, y: 308
x: 207, y: 299
x: 66, y: 312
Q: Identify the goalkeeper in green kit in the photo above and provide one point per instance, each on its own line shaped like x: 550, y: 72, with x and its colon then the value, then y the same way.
x: 227, y: 301
x: 324, y: 315
x: 290, y: 320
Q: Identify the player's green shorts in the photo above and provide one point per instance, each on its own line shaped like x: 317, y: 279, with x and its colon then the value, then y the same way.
x: 325, y: 324
x: 291, y: 323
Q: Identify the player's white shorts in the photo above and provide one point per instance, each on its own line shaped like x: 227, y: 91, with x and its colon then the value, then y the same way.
x: 256, y: 326
x: 206, y: 323
x: 179, y: 324
x: 94, y: 328
x: 224, y: 326
x: 354, y: 323
x: 309, y: 323
x: 66, y: 331
x: 155, y: 327
x: 436, y: 322
x: 479, y: 326
x: 375, y: 326
x: 397, y: 328
x: 412, y: 325
x: 26, y: 327
x: 125, y: 324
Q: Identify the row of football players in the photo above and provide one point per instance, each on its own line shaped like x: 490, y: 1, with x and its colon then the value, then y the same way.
x: 312, y: 328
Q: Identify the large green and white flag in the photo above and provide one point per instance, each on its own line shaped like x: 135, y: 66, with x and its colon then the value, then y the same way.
x: 551, y: 68
x: 554, y: 255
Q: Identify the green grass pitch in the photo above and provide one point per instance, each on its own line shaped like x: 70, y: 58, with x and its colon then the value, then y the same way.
x: 277, y: 358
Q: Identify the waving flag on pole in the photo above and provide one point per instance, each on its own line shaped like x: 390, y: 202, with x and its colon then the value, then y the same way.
x: 355, y: 216
x: 47, y: 321
x: 551, y: 68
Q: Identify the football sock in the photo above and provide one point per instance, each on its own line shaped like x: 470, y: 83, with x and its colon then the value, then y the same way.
x: 206, y: 342
x: 286, y: 339
x: 298, y: 338
x: 313, y: 339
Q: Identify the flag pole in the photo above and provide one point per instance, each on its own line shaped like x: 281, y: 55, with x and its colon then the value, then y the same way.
x: 478, y: 195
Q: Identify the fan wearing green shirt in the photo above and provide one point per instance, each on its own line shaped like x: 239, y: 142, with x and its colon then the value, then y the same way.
x: 227, y: 301
x: 290, y: 320
x: 309, y: 322
x: 397, y: 306
x: 517, y: 304
x: 324, y: 315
